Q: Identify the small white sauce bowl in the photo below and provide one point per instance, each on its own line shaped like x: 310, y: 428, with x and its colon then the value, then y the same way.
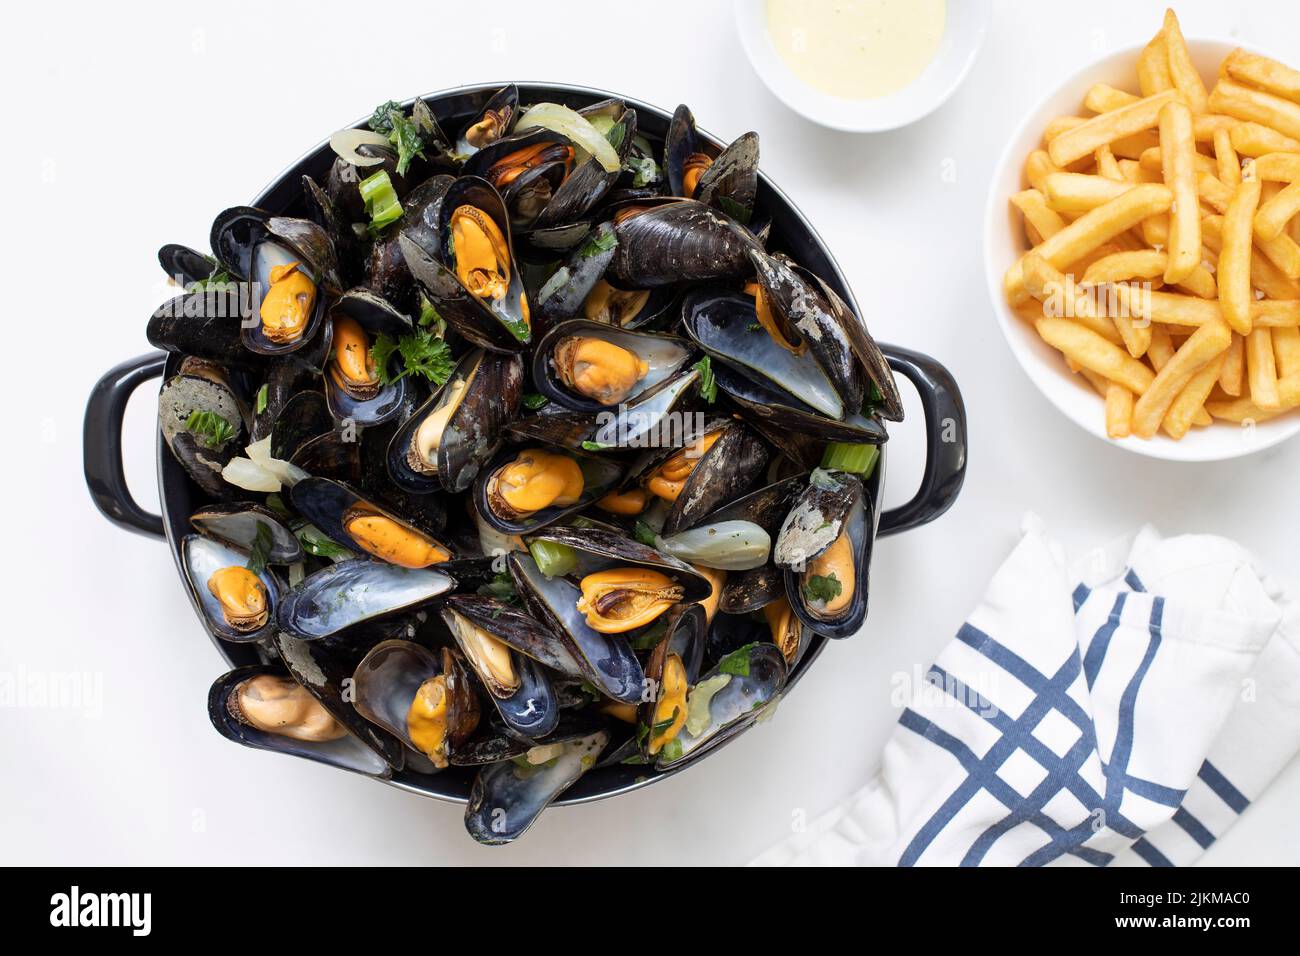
x: 1004, y: 243
x: 964, y: 28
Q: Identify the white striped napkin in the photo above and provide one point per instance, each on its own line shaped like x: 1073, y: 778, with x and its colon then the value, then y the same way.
x: 1125, y: 712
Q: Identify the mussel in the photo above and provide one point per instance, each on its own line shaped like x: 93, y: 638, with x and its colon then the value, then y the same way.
x: 590, y: 366
x: 357, y: 593
x: 238, y: 601
x: 357, y: 389
x: 675, y: 241
x: 363, y: 526
x: 524, y: 489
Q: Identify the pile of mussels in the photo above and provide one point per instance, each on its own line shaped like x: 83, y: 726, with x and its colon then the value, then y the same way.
x: 602, y: 528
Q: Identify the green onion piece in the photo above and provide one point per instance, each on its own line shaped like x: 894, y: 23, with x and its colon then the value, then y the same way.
x: 381, y: 200
x: 851, y: 458
x: 553, y: 559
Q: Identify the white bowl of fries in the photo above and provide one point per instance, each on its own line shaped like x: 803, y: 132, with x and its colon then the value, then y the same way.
x: 1176, y: 336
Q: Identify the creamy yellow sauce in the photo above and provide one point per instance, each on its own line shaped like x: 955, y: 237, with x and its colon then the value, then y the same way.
x: 856, y: 49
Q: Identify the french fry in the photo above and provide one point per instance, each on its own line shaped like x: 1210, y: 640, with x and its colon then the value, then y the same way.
x: 1275, y: 313
x: 1091, y: 230
x: 1191, y: 400
x: 1275, y: 213
x: 1255, y: 106
x: 1286, y: 350
x: 1205, y: 126
x: 1226, y: 161
x: 1264, y: 73
x: 1134, y: 172
x: 1153, y: 159
x: 1178, y: 150
x: 1153, y: 67
x: 1161, y: 349
x: 1214, y: 193
x: 1256, y: 139
x: 1169, y: 308
x: 1045, y: 221
x: 1107, y: 165
x: 1235, y: 255
x: 1126, y: 266
x: 1278, y: 167
x: 1037, y: 165
x: 1102, y: 98
x: 1107, y: 128
x: 1155, y: 231
x: 1239, y: 410
x: 1093, y: 352
x: 1200, y: 282
x: 1283, y: 252
x: 1056, y: 127
x: 1263, y: 274
x: 1066, y: 298
x: 1201, y: 346
x: 1080, y: 192
x: 1181, y: 71
x: 1119, y: 410
x: 1261, y: 369
x: 1233, y: 372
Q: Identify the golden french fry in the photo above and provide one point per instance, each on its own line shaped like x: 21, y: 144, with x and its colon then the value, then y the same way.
x: 1045, y: 221
x: 1278, y: 167
x: 1256, y: 139
x: 1107, y: 164
x: 1134, y: 172
x: 1201, y: 346
x: 1155, y: 231
x: 1205, y: 126
x: 1102, y: 98
x: 1153, y: 159
x: 1037, y: 165
x: 1214, y: 193
x: 1261, y: 369
x: 1056, y: 127
x: 1191, y: 400
x: 1177, y: 150
x: 1282, y: 251
x: 1255, y: 106
x: 1286, y: 350
x: 1107, y: 128
x: 1119, y: 410
x: 1276, y: 212
x: 1233, y: 372
x: 1264, y: 73
x: 1169, y: 308
x: 1181, y: 71
x: 1093, y: 352
x: 1091, y: 230
x: 1063, y: 298
x: 1200, y: 282
x: 1263, y: 274
x: 1235, y: 255
x: 1080, y: 192
x: 1275, y: 313
x: 1125, y: 266
x: 1161, y: 349
x: 1226, y: 162
x: 1153, y: 67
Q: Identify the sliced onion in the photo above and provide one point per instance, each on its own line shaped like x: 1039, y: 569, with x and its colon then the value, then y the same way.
x: 726, y: 545
x: 249, y: 475
x: 574, y: 125
x: 346, y: 141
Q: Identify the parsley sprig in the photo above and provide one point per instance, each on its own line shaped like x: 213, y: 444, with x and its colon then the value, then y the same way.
x: 422, y: 352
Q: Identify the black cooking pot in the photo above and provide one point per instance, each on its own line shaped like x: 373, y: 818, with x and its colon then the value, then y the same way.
x: 945, y: 414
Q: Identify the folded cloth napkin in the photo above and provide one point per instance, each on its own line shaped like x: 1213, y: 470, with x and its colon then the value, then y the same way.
x: 1123, y: 712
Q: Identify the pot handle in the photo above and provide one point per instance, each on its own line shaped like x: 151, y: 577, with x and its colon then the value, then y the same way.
x: 102, y: 443
x: 945, y: 428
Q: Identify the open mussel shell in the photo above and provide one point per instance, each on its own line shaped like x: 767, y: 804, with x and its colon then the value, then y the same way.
x: 590, y: 181
x: 572, y: 367
x: 672, y: 667
x: 184, y: 265
x: 516, y: 685
x: 726, y: 700
x: 565, y: 291
x: 333, y: 507
x: 725, y: 545
x: 726, y: 179
x: 250, y: 242
x: 597, y: 549
x: 825, y: 549
x: 387, y: 682
x: 679, y: 240
x: 606, y: 660
x: 495, y: 120
x: 725, y: 325
x: 509, y: 796
x: 232, y: 721
x: 248, y: 525
x: 356, y: 593
x: 790, y: 425
x: 201, y: 558
x: 796, y: 305
x: 732, y: 464
x: 529, y: 169
x: 283, y: 381
x: 446, y: 442
x: 201, y: 389
x: 599, y: 476
x: 363, y: 401
x: 520, y: 630
x: 500, y: 321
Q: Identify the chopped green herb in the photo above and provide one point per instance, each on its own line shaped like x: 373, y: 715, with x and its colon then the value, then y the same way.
x: 736, y: 663
x: 823, y: 588
x: 594, y: 446
x: 735, y: 210
x: 210, y: 428
x: 389, y: 120
x: 708, y: 384
x: 381, y: 121
x: 314, y: 542
x: 672, y: 750
x: 430, y: 319
x: 616, y: 134
x: 663, y: 725
x: 422, y: 352
x: 261, y: 398
x: 219, y: 281
x: 644, y: 533
x: 501, y: 587
x: 533, y: 401
x: 754, y: 327
x: 644, y: 170
x: 602, y: 240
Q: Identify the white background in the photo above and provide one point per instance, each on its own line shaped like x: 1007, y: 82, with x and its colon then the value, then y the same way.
x: 127, y: 126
